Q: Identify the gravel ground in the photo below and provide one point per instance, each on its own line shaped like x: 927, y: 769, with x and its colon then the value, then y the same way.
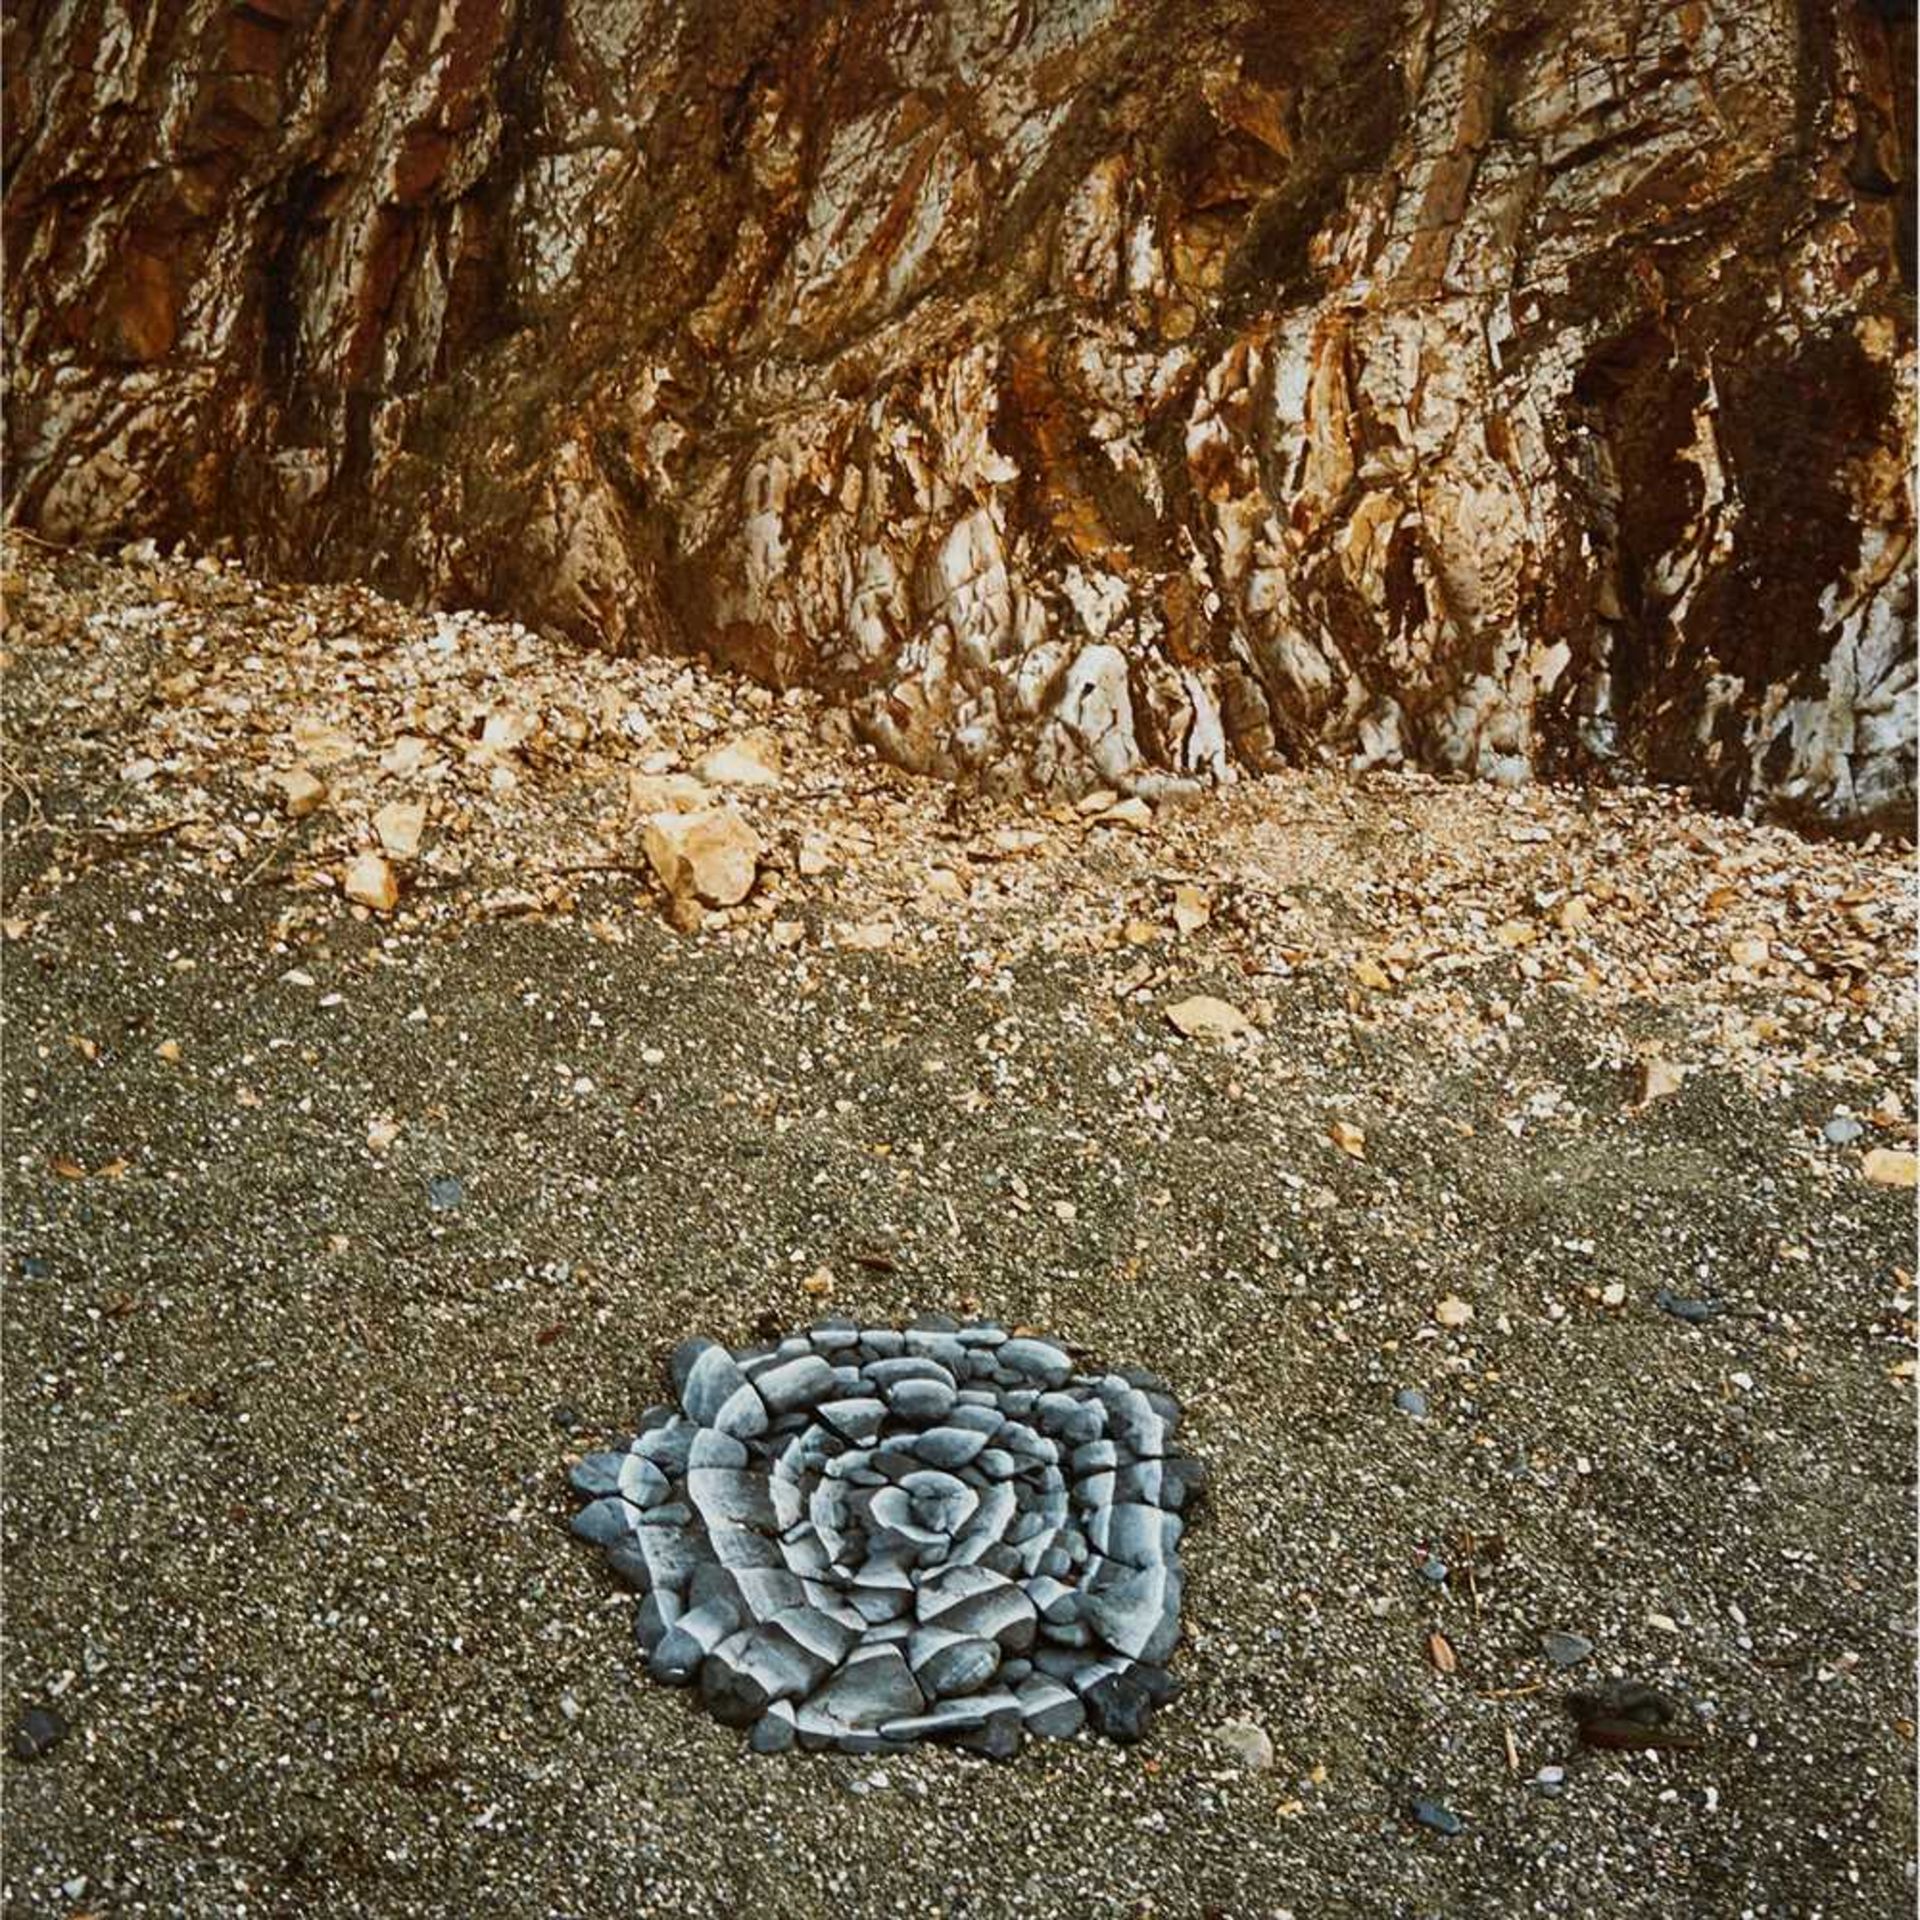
x: 284, y: 1509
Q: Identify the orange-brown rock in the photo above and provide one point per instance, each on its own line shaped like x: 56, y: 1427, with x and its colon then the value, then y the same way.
x: 1090, y: 394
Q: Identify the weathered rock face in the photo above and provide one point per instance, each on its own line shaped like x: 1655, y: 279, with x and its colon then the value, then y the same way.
x: 1088, y: 392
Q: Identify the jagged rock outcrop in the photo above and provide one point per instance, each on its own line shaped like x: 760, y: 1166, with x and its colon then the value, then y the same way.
x: 1087, y: 392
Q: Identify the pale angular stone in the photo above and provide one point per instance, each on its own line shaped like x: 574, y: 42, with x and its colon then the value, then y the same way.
x: 753, y: 761
x: 302, y: 791
x: 399, y: 825
x: 370, y: 882
x: 710, y: 858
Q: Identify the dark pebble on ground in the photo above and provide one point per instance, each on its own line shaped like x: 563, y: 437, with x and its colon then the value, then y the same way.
x: 38, y: 1731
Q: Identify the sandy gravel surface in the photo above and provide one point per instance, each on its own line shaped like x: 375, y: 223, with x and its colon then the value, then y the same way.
x: 333, y: 1238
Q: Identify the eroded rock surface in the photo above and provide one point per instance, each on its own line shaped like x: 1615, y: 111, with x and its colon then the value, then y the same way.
x: 1087, y: 394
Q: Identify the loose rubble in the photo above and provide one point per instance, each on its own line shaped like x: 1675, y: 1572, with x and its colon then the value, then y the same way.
x: 864, y: 1537
x: 437, y: 769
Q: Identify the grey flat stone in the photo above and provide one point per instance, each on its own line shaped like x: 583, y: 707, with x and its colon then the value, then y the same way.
x: 1065, y: 1664
x: 882, y: 1374
x: 874, y: 1686
x: 755, y: 1593
x: 606, y: 1522
x: 1073, y: 1422
x: 985, y: 1421
x: 1053, y: 1599
x: 640, y: 1483
x: 1566, y: 1649
x: 742, y: 1549
x: 1136, y: 1424
x: 675, y: 1661
x: 951, y: 1716
x: 597, y: 1475
x: 723, y: 1495
x: 944, y: 1348
x: 669, y: 1446
x: 948, y: 1446
x: 1141, y: 1536
x: 715, y: 1392
x: 805, y: 1552
x: 1036, y: 1360
x: 859, y: 1417
x: 775, y: 1731
x: 972, y: 1600
x: 799, y: 1382
x: 672, y: 1556
x: 653, y: 1618
x: 711, y: 1449
x: 877, y: 1604
x: 922, y: 1402
x: 982, y: 1536
x: 688, y: 1355
x: 1156, y: 1683
x: 828, y: 1639
x: 867, y: 1745
x: 1095, y: 1490
x: 628, y: 1562
x: 750, y: 1670
x: 1050, y: 1710
x: 946, y: 1663
x: 1138, y: 1616
x: 998, y: 1738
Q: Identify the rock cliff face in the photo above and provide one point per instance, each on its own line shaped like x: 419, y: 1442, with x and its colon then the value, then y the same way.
x: 1086, y: 392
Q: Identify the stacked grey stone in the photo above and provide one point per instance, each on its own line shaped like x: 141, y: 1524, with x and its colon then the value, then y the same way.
x: 868, y: 1536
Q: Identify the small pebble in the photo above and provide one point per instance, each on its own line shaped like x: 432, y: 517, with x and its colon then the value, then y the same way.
x: 444, y: 1192
x: 1411, y: 1400
x: 1248, y: 1743
x: 37, y: 1732
x: 1566, y: 1649
x: 1442, y: 1819
x: 1692, y: 1311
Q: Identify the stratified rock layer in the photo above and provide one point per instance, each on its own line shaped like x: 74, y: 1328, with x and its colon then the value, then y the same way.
x: 864, y: 1537
x: 1089, y: 394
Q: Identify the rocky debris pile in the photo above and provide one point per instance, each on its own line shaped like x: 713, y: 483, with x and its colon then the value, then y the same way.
x: 862, y: 1537
x: 423, y: 771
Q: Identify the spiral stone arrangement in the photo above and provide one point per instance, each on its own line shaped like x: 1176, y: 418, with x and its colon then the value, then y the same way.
x: 863, y: 1537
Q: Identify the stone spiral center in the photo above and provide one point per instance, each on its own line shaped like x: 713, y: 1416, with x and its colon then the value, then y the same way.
x: 862, y: 1537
